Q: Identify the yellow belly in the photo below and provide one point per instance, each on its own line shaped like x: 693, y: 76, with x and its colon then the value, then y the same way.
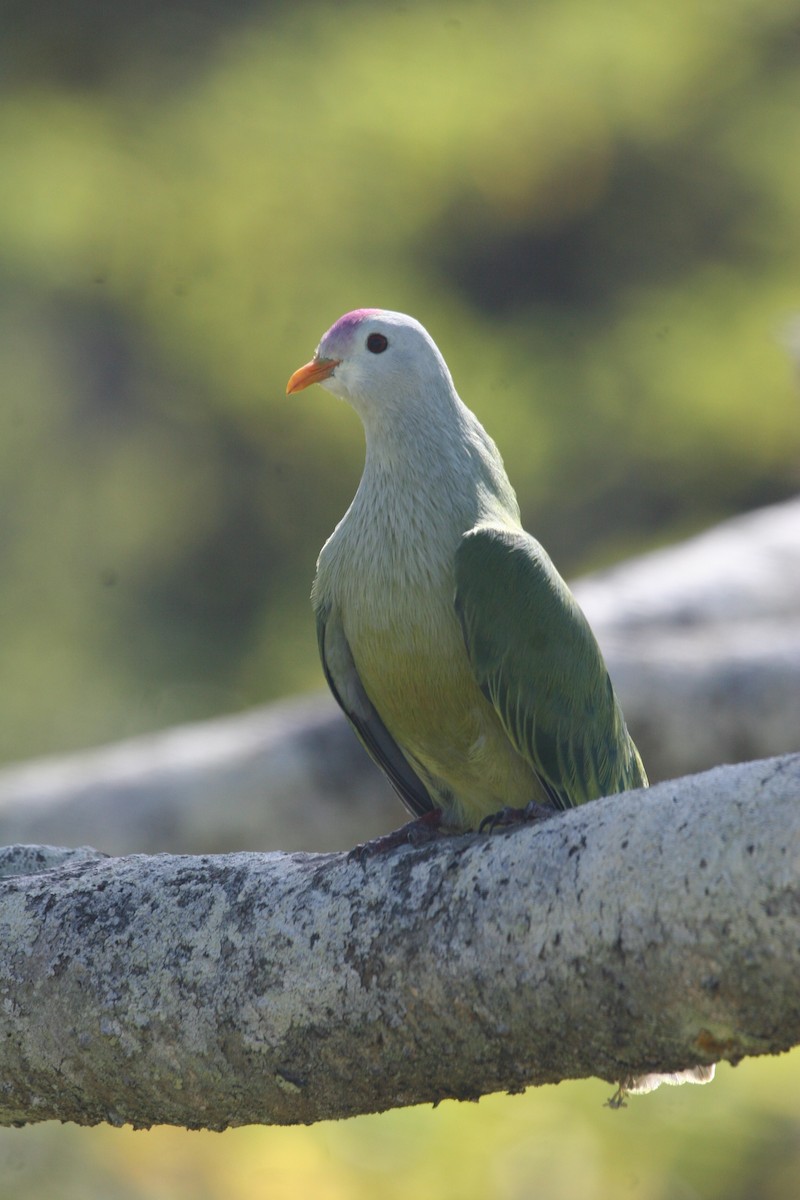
x: 422, y: 685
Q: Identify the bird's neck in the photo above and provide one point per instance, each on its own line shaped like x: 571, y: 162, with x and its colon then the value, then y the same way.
x: 431, y: 472
x: 429, y: 476
x: 411, y: 457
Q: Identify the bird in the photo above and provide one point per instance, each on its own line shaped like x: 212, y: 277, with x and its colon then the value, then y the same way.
x: 447, y: 636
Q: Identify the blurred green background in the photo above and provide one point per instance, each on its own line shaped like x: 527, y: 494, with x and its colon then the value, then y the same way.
x: 595, y: 209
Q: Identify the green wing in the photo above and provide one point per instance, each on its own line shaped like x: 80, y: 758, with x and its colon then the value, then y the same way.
x: 537, y: 661
x: 349, y: 693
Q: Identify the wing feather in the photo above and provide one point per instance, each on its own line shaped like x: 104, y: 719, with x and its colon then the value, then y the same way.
x: 537, y: 661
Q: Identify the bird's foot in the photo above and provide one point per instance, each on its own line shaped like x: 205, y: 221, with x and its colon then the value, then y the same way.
x: 414, y: 833
x: 516, y: 816
x: 619, y: 1099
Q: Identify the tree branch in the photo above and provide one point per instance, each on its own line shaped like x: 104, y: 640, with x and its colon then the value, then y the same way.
x: 290, y: 775
x: 702, y: 640
x: 648, y: 931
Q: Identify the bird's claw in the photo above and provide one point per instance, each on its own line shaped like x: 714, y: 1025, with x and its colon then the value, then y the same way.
x: 414, y: 833
x: 507, y: 817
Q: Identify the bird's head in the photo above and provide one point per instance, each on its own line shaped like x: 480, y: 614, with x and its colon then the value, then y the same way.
x: 373, y: 358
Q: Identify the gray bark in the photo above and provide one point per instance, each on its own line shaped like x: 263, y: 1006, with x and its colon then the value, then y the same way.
x: 646, y: 932
x: 289, y: 776
x: 702, y: 640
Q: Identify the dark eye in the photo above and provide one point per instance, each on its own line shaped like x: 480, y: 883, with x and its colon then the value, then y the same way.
x: 377, y: 343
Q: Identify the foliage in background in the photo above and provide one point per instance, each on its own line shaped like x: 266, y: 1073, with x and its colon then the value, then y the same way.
x: 592, y: 207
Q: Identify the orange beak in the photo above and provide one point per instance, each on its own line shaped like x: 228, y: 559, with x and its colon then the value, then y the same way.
x: 313, y: 372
